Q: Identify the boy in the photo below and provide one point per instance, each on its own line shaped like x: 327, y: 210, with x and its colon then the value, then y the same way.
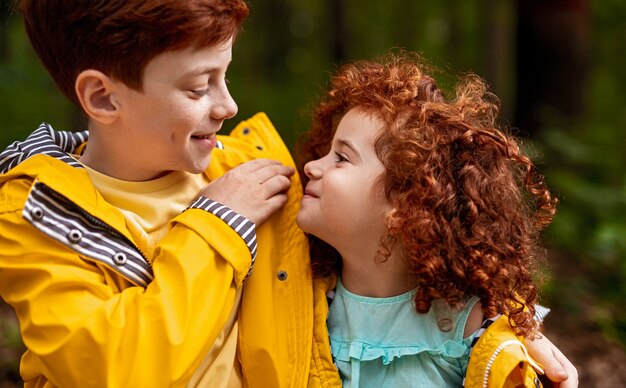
x: 118, y: 277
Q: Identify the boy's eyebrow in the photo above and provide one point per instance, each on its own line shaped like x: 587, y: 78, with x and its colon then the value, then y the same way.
x: 205, y: 69
x: 202, y: 70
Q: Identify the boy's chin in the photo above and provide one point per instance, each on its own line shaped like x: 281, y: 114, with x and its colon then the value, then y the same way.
x: 199, y: 167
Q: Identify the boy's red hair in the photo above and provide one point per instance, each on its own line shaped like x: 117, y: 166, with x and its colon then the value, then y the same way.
x: 119, y: 37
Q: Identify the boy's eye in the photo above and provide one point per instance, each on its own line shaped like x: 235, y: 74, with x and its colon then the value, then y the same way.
x: 200, y: 92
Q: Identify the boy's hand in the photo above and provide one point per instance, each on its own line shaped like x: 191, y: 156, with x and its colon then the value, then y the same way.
x: 558, y: 368
x: 254, y: 189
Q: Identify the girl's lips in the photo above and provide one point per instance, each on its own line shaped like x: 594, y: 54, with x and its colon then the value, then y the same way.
x: 309, y: 194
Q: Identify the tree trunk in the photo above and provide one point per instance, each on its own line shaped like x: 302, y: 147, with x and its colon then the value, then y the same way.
x: 339, y: 31
x: 553, y: 42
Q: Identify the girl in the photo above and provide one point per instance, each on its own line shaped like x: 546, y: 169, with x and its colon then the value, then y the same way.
x: 428, y: 217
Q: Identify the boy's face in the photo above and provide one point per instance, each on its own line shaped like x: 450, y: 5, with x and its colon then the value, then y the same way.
x: 171, y: 124
x: 343, y: 203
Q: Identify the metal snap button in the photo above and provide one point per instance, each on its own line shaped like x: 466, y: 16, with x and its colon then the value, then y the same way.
x: 74, y: 236
x: 246, y: 131
x: 37, y: 213
x: 259, y: 148
x: 120, y: 258
x: 282, y: 275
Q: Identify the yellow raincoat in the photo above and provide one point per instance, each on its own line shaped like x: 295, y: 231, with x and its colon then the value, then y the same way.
x: 499, y: 359
x: 94, y: 311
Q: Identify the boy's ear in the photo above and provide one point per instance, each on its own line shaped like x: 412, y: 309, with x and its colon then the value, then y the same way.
x: 95, y: 92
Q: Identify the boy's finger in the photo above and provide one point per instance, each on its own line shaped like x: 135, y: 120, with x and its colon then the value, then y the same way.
x: 276, y: 185
x: 556, y: 372
x: 262, y: 175
x: 255, y: 164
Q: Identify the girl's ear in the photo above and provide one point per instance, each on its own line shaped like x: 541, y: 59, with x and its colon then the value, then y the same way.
x: 95, y: 92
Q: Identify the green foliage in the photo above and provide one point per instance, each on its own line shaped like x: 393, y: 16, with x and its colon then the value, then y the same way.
x: 27, y: 94
x: 281, y: 69
x: 11, y: 346
x: 585, y: 165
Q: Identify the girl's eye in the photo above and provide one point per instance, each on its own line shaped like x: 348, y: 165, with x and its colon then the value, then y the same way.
x: 200, y: 92
x: 340, y: 158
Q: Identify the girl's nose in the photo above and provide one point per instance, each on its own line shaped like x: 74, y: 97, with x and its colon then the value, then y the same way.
x: 313, y: 170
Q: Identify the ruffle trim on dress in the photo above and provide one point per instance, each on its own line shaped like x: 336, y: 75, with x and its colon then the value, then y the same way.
x: 346, y: 351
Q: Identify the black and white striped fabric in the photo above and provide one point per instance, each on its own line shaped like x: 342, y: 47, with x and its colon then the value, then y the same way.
x: 62, y: 220
x: 45, y: 140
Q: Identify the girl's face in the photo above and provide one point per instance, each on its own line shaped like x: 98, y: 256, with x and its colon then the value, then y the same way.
x: 343, y: 204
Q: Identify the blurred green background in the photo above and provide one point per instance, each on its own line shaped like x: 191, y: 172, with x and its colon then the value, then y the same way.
x: 559, y: 67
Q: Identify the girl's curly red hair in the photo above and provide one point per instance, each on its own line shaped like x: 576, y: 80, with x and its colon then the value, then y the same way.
x: 469, y: 204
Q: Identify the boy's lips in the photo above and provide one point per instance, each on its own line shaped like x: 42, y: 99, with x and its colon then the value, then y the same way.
x: 208, y: 140
x: 205, y: 136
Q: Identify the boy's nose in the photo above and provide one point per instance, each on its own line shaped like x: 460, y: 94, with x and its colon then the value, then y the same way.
x: 225, y: 108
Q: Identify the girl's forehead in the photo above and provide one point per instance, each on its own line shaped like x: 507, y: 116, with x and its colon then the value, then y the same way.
x: 355, y: 126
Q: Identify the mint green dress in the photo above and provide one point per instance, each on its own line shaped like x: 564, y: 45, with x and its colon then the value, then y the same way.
x: 384, y: 342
